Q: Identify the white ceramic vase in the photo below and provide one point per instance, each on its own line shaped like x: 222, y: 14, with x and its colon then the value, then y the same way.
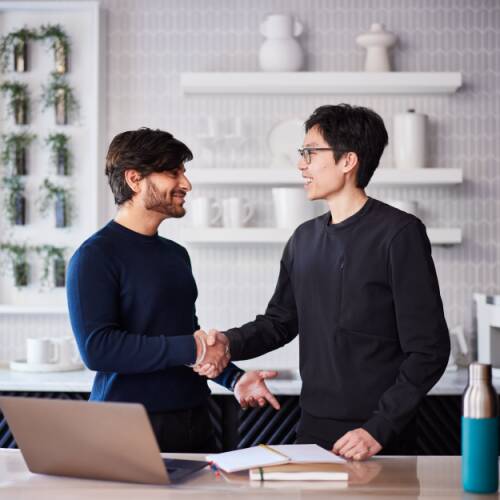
x: 377, y: 42
x: 281, y: 51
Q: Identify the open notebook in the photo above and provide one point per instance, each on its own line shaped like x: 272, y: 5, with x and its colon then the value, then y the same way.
x: 265, y: 456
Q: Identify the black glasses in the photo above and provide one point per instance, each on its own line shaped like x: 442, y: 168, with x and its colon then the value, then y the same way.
x: 306, y: 153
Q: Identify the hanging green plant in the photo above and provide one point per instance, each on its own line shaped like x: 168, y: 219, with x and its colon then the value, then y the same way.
x: 58, y: 144
x: 14, y: 152
x: 60, y: 197
x: 55, y: 256
x: 59, y: 93
x: 17, y: 256
x: 15, y: 44
x: 59, y: 42
x: 18, y: 100
x: 14, y: 201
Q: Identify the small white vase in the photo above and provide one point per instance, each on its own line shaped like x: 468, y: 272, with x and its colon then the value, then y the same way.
x: 377, y: 42
x: 281, y: 51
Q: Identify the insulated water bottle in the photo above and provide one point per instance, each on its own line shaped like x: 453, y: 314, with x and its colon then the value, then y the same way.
x: 480, y: 432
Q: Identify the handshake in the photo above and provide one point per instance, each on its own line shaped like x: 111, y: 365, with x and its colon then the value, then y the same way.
x: 212, y: 353
x: 212, y: 356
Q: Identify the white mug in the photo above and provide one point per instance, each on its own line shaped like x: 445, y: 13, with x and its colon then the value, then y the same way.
x: 237, y: 212
x: 67, y: 353
x: 291, y: 207
x: 41, y: 351
x: 205, y: 212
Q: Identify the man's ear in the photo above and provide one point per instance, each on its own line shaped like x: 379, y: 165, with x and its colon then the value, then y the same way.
x: 133, y: 178
x: 349, y: 162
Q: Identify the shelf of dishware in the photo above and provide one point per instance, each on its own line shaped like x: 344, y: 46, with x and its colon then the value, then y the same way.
x: 437, y: 236
x: 291, y: 176
x: 320, y: 83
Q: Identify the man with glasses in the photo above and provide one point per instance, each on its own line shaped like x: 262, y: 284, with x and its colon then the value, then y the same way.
x: 358, y: 285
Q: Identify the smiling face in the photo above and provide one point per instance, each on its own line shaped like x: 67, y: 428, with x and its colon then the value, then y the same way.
x: 323, y: 176
x: 165, y: 192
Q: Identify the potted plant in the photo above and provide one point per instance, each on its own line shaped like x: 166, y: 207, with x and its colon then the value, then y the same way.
x: 15, y: 202
x: 59, y: 43
x: 55, y: 255
x: 14, y: 151
x: 16, y: 44
x: 58, y: 144
x: 61, y: 198
x: 58, y: 93
x: 17, y: 256
x: 18, y: 100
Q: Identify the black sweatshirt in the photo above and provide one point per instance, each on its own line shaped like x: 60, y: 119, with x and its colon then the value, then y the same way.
x: 364, y: 297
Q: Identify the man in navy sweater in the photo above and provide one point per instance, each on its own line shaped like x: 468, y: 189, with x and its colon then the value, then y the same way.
x: 131, y: 297
x: 359, y: 287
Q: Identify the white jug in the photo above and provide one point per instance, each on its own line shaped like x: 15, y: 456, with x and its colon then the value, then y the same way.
x: 281, y: 51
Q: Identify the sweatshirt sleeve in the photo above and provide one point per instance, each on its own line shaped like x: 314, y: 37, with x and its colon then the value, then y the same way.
x: 423, y: 333
x: 276, y: 327
x: 93, y: 293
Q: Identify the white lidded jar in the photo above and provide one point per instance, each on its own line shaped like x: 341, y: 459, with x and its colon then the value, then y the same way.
x: 409, y: 141
x: 281, y: 51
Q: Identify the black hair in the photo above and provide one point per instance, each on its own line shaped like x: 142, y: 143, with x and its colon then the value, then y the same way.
x: 349, y: 128
x: 146, y: 151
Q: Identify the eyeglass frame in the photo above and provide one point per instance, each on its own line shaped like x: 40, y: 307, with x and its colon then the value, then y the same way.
x: 308, y: 155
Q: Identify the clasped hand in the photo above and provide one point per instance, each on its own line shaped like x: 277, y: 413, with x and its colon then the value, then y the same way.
x: 212, y: 353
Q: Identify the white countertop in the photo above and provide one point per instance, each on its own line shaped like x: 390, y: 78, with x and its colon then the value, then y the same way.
x: 379, y: 478
x: 452, y: 383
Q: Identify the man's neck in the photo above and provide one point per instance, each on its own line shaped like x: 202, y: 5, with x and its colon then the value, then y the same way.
x: 346, y: 203
x: 140, y: 221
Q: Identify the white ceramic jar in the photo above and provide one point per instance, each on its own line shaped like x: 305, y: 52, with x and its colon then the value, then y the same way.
x: 409, y: 140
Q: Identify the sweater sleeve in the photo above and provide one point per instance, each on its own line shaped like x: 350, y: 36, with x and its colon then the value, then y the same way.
x: 422, y: 330
x: 271, y: 330
x: 93, y: 293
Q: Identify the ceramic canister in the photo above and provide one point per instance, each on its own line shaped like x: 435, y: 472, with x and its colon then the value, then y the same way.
x: 409, y: 140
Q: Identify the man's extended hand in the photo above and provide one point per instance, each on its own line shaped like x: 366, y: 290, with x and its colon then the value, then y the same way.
x: 207, y: 368
x: 216, y: 356
x: 251, y: 390
x: 357, y: 444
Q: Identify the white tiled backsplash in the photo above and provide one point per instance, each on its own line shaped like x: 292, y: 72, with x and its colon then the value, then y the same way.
x: 150, y: 42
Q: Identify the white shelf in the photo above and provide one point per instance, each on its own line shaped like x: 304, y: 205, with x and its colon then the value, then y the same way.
x: 321, y: 83
x: 437, y: 236
x: 42, y: 310
x: 291, y: 176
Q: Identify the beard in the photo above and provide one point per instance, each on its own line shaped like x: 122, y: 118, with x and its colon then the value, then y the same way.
x: 163, y: 203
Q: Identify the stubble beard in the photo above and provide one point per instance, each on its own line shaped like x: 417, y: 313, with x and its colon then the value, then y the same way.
x: 163, y: 203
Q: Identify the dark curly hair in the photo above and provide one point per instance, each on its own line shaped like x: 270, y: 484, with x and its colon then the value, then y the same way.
x: 146, y: 151
x: 349, y: 128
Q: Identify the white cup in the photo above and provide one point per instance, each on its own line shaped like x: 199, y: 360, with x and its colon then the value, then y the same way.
x: 67, y: 353
x: 410, y: 207
x: 41, y: 351
x: 237, y: 212
x: 291, y: 207
x: 205, y: 212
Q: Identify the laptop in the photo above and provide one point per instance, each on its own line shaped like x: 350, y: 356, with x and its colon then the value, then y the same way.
x: 92, y: 440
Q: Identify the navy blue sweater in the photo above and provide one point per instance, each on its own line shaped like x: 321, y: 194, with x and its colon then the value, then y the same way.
x: 131, y: 303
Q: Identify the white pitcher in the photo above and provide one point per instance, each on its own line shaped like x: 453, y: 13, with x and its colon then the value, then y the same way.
x: 281, y: 51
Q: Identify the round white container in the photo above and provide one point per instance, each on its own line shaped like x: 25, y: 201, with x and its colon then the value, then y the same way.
x: 409, y: 140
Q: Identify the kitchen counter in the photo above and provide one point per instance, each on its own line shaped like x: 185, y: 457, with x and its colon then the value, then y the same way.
x: 378, y: 478
x: 452, y: 383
